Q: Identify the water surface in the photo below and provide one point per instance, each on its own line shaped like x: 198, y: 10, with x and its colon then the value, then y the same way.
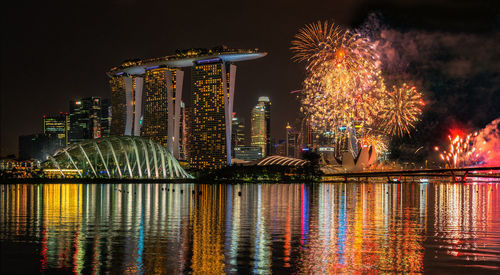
x: 250, y: 228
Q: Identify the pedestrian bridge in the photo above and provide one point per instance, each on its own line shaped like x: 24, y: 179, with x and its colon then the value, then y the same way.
x: 115, y: 157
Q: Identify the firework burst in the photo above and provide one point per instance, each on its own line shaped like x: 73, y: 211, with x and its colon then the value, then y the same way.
x: 344, y: 79
x: 321, y: 41
x: 402, y: 109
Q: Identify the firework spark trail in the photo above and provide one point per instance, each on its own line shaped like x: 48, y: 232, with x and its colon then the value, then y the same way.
x: 461, y: 151
x: 480, y: 148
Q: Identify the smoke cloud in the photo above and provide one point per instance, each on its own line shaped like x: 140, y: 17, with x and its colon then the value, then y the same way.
x: 458, y: 74
x: 487, y: 144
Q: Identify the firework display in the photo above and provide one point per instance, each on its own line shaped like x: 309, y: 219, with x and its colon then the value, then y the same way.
x: 461, y: 151
x: 344, y: 84
x: 402, y: 110
x: 480, y: 148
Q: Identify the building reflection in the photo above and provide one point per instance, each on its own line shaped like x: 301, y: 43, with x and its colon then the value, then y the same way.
x: 250, y: 228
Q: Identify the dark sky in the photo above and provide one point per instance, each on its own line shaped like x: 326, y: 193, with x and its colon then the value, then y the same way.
x: 56, y: 51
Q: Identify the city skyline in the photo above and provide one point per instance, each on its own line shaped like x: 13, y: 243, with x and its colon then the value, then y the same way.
x: 51, y: 84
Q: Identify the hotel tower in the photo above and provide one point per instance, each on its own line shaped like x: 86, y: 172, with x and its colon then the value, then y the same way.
x: 146, y: 100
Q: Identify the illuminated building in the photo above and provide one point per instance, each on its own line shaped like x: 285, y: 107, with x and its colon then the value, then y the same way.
x: 105, y: 117
x: 238, y: 132
x: 261, y: 125
x: 213, y: 77
x: 248, y: 153
x: 211, y: 120
x: 58, y: 126
x: 85, y: 119
x: 126, y: 100
x: 156, y: 98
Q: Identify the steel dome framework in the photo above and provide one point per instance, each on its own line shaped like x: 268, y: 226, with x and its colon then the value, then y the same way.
x: 117, y: 157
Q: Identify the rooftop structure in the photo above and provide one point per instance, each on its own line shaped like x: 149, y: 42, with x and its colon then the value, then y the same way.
x: 185, y: 58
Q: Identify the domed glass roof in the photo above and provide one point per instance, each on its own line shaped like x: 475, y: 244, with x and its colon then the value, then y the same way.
x: 116, y: 157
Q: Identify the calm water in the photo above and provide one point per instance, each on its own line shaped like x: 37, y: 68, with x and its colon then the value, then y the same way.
x: 267, y: 228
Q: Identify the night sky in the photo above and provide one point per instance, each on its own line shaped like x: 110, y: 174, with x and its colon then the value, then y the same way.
x: 56, y: 51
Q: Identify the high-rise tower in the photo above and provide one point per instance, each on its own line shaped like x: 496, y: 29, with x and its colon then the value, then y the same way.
x: 238, y: 132
x: 261, y: 125
x: 212, y: 113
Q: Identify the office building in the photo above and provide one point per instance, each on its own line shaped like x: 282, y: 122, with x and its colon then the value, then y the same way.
x: 261, y: 125
x: 57, y: 126
x: 85, y: 119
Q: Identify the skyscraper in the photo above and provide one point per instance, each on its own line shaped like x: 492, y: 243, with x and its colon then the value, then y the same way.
x: 211, y: 120
x: 237, y: 133
x: 213, y: 78
x: 57, y: 126
x: 85, y: 119
x: 261, y: 125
